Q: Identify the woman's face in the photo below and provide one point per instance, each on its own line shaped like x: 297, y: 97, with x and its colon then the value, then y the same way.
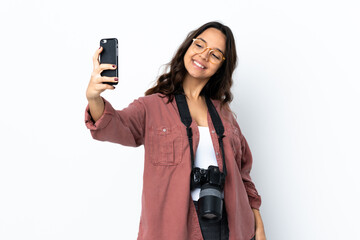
x: 197, y: 64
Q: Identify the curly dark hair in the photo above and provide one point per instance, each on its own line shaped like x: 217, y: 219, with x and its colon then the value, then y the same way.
x: 218, y: 86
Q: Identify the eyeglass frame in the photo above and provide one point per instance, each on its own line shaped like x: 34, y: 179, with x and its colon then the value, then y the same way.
x: 210, y: 49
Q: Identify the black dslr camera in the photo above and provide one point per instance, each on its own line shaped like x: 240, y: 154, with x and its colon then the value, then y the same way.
x: 211, y: 181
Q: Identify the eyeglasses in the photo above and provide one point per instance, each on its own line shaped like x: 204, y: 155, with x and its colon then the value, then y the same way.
x: 199, y: 46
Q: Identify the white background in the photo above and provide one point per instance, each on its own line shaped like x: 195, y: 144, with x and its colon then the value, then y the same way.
x: 296, y: 93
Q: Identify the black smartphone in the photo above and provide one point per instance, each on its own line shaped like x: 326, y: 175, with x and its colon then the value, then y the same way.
x: 109, y: 55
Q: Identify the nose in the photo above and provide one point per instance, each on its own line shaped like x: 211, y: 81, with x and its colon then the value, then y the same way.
x: 205, y: 54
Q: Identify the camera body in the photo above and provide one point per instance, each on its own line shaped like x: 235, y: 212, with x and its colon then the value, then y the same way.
x: 211, y: 181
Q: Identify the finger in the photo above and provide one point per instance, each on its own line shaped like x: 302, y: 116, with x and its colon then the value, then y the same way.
x: 106, y: 79
x: 105, y: 66
x: 102, y: 87
x: 96, y: 62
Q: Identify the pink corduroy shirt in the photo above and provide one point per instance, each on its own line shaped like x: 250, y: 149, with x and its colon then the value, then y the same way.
x: 168, y: 211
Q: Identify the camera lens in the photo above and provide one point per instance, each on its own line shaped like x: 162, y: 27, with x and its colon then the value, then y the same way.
x: 210, y: 203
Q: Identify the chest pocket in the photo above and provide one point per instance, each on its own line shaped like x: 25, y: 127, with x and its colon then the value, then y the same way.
x: 165, y: 145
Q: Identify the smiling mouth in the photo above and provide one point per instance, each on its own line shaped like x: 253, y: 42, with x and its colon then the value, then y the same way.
x: 198, y: 64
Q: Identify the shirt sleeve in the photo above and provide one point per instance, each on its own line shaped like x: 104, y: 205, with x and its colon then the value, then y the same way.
x: 246, y: 164
x: 244, y: 161
x: 126, y: 126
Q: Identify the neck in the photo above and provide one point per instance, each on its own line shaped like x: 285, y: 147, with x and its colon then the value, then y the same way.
x: 193, y: 86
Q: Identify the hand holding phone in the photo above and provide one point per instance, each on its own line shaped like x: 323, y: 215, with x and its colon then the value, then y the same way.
x: 109, y: 55
x: 98, y: 77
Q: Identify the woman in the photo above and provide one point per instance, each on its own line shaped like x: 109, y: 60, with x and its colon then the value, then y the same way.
x: 202, y: 68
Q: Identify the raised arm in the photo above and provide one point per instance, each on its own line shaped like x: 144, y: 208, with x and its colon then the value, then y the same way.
x: 96, y: 86
x: 126, y: 127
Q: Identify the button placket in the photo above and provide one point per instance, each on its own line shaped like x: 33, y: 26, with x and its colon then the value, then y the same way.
x: 216, y: 148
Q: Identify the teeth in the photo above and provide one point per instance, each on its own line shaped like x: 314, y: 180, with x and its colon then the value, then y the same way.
x: 198, y: 64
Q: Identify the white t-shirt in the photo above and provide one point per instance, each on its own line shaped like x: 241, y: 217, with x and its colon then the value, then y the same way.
x: 204, y: 156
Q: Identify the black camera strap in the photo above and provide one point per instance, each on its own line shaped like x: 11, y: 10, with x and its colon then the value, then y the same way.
x: 187, y: 120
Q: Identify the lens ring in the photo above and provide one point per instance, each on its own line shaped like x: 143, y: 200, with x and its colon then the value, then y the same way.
x: 199, y: 46
x: 217, y: 57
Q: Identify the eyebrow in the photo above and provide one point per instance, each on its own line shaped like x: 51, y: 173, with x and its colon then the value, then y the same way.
x: 215, y: 48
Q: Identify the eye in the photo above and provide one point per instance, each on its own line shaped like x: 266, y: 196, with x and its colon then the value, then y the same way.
x: 216, y: 55
x: 198, y: 45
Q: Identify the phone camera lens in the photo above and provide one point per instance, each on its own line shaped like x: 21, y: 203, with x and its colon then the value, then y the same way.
x: 104, y: 40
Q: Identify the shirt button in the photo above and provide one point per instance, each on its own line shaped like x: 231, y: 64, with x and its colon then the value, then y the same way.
x: 217, y: 153
x: 164, y: 129
x: 212, y: 131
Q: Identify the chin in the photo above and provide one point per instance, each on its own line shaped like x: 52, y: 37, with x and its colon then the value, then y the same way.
x: 194, y: 73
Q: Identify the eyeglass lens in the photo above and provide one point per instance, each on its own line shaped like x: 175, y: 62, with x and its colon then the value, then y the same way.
x: 215, y: 55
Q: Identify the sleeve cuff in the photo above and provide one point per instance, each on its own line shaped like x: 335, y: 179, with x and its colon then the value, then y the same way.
x: 253, y: 196
x: 103, y: 121
x: 255, y: 202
